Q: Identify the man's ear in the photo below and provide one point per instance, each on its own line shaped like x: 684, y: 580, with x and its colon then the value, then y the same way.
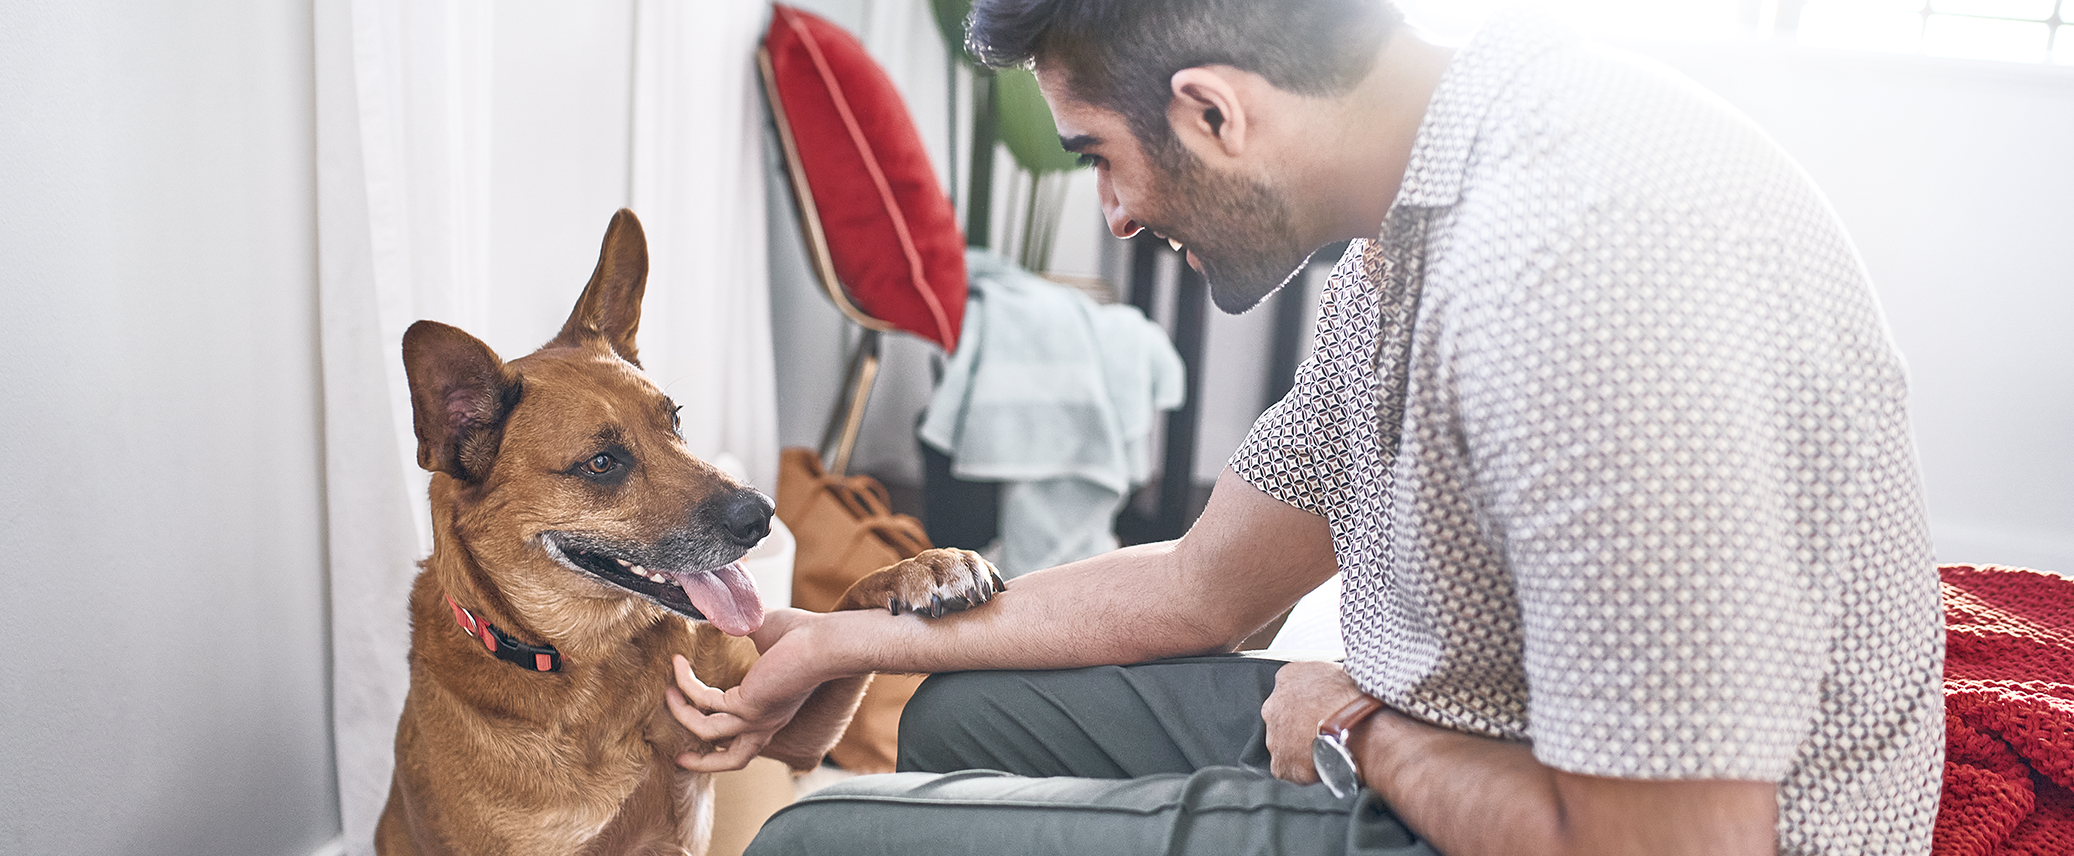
x: 1207, y: 112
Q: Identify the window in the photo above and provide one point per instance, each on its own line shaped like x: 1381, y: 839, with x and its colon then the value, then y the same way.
x: 2026, y: 31
x: 2012, y: 30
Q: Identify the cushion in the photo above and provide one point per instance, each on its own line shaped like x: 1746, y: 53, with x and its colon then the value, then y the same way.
x: 891, y: 231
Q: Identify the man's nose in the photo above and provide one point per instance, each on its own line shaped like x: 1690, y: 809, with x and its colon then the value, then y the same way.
x: 1120, y: 224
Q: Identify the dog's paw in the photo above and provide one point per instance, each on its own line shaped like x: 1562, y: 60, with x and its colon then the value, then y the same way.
x: 934, y: 583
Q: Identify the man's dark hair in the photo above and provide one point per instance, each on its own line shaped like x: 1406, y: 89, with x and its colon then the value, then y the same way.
x: 1122, y: 54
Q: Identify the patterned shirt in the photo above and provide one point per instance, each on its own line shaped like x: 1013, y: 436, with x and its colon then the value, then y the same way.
x: 1612, y: 442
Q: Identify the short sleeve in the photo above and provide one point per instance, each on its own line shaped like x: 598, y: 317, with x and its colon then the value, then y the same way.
x: 1275, y: 457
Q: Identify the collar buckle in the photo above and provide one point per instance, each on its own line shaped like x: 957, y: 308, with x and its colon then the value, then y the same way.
x: 538, y: 658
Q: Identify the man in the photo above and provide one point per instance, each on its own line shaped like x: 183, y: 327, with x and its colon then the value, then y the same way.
x: 1602, y: 428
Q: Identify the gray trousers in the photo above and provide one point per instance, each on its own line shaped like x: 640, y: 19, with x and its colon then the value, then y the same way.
x: 1165, y: 757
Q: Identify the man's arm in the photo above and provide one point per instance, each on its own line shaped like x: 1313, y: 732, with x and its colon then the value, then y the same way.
x: 1243, y: 562
x: 1470, y: 795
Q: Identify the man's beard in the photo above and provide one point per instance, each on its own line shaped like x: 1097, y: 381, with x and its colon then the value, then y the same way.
x: 1244, y: 226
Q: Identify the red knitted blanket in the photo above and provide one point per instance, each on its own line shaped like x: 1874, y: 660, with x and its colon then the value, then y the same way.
x: 2008, y: 713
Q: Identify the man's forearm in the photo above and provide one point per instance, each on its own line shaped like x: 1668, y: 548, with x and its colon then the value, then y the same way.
x: 1247, y: 558
x: 1464, y: 794
x: 1470, y: 795
x: 1118, y: 607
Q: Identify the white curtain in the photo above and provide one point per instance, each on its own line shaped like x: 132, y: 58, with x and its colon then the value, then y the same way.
x: 698, y: 185
x: 405, y: 179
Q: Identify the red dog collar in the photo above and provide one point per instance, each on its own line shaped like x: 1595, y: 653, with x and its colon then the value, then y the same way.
x: 539, y: 658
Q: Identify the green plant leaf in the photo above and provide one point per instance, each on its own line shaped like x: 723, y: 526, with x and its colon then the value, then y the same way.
x: 1026, y: 126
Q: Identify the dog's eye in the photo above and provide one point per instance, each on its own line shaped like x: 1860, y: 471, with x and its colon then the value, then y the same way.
x: 601, y: 464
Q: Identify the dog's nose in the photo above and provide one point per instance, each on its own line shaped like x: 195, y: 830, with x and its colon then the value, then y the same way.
x: 746, y: 517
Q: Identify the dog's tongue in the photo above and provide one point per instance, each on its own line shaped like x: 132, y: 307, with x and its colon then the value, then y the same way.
x: 727, y: 596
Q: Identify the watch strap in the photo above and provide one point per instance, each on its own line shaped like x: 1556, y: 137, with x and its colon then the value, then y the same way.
x: 1347, y: 717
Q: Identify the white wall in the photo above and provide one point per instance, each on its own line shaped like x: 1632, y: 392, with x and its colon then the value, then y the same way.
x: 163, y: 689
x: 1956, y: 180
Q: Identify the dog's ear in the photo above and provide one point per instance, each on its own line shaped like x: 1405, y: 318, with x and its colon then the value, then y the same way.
x: 460, y: 393
x: 611, y: 304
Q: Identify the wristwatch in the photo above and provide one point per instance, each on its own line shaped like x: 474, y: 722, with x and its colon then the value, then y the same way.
x: 1329, y: 751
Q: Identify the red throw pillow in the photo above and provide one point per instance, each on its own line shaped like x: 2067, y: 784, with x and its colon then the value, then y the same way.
x: 890, y: 228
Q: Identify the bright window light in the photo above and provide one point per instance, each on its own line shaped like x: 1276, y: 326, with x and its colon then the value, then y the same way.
x: 2028, y: 31
x: 2006, y: 30
x: 2034, y: 10
x: 1868, y: 25
x: 1986, y: 38
x: 1455, y: 19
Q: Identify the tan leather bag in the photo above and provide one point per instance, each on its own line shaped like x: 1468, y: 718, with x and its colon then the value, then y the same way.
x: 846, y: 529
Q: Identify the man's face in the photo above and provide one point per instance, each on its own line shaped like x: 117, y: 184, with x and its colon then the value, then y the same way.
x: 1236, y: 230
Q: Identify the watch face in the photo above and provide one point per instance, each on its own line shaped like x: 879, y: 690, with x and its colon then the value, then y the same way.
x: 1335, y: 764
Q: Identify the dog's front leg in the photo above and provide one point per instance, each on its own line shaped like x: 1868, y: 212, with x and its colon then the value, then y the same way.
x: 814, y: 730
x: 935, y: 583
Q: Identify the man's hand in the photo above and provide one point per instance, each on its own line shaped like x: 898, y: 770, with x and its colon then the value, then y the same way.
x: 1474, y: 795
x: 1305, y: 694
x: 740, y: 722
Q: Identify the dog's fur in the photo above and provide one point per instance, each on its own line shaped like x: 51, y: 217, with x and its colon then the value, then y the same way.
x: 552, y: 474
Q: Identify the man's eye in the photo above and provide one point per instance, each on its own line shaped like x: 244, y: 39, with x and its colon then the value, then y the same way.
x: 601, y: 464
x: 1086, y: 159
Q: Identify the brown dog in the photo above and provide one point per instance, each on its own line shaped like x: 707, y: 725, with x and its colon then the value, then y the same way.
x: 577, y: 545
